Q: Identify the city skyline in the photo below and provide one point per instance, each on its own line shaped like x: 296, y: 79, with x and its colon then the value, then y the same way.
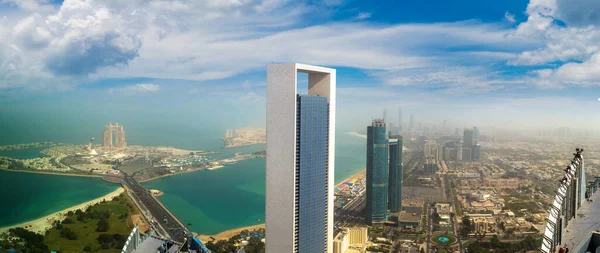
x: 529, y: 85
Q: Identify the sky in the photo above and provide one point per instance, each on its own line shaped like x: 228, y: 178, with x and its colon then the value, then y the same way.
x: 512, y: 63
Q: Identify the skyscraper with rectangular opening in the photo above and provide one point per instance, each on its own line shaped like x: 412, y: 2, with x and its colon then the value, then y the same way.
x: 300, y: 164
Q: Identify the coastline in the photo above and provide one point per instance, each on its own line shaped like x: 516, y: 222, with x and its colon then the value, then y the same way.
x: 228, y: 233
x: 225, y: 235
x: 357, y: 134
x: 52, y: 173
x: 40, y: 225
x: 354, y: 176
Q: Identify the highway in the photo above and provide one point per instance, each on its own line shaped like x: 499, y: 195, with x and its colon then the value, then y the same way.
x: 161, y: 215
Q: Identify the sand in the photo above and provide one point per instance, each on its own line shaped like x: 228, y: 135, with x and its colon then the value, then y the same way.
x: 42, y: 224
x: 228, y: 234
x: 356, y: 175
x: 215, y: 167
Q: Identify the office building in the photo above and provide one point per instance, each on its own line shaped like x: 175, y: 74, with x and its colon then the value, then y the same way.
x: 399, y: 121
x: 475, y: 133
x: 300, y: 164
x: 466, y: 154
x: 468, y: 138
x: 476, y: 152
x: 119, y: 136
x: 377, y: 172
x: 395, y: 174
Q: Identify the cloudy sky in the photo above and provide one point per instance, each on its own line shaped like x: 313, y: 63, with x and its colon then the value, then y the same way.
x: 474, y: 62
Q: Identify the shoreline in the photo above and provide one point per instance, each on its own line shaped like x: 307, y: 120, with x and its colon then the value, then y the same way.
x: 353, y: 176
x: 53, y: 173
x: 225, y: 235
x: 42, y: 224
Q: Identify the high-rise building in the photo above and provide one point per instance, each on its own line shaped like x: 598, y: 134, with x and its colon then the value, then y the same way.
x: 476, y: 153
x: 399, y: 121
x: 395, y: 174
x: 377, y: 172
x: 467, y: 154
x: 107, y: 136
x: 475, y: 133
x: 468, y: 138
x: 300, y: 164
x: 412, y: 122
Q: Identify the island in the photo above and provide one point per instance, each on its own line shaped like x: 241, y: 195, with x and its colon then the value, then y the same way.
x: 244, y: 137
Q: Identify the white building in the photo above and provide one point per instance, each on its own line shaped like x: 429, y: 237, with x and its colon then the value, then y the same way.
x: 300, y: 159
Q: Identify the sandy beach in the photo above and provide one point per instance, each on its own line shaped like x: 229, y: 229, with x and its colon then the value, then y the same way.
x: 358, y: 134
x: 42, y: 224
x: 359, y: 174
x: 228, y: 234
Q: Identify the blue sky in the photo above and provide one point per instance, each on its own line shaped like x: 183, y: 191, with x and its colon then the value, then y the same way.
x: 512, y: 63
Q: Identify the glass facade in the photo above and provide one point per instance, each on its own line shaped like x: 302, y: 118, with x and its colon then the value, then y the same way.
x: 395, y: 175
x: 311, y: 173
x: 377, y: 172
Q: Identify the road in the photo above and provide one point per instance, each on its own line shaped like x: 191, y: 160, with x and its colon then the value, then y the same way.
x: 161, y: 215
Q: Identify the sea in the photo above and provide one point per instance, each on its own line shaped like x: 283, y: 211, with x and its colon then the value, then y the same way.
x: 28, y: 196
x: 234, y: 196
x: 212, y: 201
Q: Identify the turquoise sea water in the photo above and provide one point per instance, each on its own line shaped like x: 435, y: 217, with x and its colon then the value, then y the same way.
x: 234, y: 196
x: 223, y: 199
x: 26, y: 153
x: 27, y: 196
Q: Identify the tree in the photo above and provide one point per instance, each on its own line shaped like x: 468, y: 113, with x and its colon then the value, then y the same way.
x: 87, y: 248
x: 67, y: 233
x: 102, y: 225
x: 70, y: 213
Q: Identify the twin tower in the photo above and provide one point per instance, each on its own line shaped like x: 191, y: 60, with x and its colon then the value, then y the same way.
x: 107, y: 136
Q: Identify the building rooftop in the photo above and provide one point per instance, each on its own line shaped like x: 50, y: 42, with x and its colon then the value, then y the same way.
x: 587, y: 219
x: 409, y: 217
x: 153, y: 244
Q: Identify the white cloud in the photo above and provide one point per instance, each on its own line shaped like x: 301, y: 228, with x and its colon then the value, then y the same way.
x: 142, y: 88
x: 363, y: 15
x: 509, y: 17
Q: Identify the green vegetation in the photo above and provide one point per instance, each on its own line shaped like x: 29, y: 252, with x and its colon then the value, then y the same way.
x: 255, y: 245
x: 22, y: 240
x: 103, y: 227
x: 529, y: 243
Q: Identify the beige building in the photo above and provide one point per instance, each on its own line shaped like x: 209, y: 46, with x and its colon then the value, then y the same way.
x: 119, y: 140
x: 355, y: 237
x: 481, y: 224
x: 340, y: 243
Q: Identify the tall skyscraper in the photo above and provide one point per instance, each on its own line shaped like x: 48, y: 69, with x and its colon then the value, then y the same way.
x: 475, y: 133
x: 399, y: 121
x: 107, y: 136
x: 385, y: 118
x: 377, y: 172
x: 467, y: 144
x: 412, y: 121
x: 300, y: 164
x: 395, y: 174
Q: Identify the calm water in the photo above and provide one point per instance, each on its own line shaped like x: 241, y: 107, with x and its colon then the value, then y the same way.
x: 234, y: 196
x: 27, y: 196
x: 26, y: 153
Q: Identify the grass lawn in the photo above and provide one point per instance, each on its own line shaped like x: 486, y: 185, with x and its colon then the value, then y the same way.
x: 86, y: 230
